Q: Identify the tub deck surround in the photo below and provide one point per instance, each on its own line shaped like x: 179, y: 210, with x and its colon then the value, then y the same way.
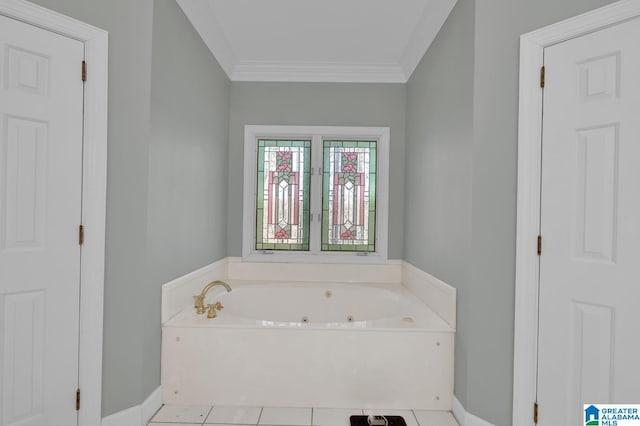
x: 303, y: 368
x: 178, y: 293
x: 391, y: 271
x: 337, y: 344
x: 436, y: 294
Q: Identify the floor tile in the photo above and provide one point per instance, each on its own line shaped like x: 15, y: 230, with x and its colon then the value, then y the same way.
x: 225, y: 424
x: 286, y: 416
x: 435, y: 418
x: 181, y: 414
x: 234, y: 415
x: 407, y: 415
x: 334, y: 416
x: 176, y: 424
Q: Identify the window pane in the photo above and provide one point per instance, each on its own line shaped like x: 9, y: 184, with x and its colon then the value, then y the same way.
x: 348, y: 199
x: 283, y: 195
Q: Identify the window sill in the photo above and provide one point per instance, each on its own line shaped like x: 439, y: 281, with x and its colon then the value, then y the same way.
x: 337, y: 257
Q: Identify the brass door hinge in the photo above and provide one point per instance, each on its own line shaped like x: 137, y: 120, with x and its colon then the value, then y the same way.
x: 81, y: 235
x: 539, y: 245
x: 535, y: 412
x: 78, y: 400
x: 542, y: 77
x: 84, y: 71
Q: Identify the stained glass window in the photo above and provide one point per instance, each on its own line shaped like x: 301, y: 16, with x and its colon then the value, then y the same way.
x: 283, y: 195
x: 349, y: 196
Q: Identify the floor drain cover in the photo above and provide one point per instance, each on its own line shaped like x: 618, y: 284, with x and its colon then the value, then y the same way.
x: 391, y: 421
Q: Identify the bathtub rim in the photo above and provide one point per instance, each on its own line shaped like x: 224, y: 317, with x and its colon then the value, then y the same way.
x: 435, y: 293
x: 187, y: 317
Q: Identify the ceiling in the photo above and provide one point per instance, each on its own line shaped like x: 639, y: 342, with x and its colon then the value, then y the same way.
x: 329, y: 40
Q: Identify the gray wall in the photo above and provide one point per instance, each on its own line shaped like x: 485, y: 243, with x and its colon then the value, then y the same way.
x: 129, y: 25
x: 318, y: 104
x: 148, y: 185
x: 187, y: 210
x: 461, y: 110
x: 499, y: 24
x: 438, y: 167
x: 484, y: 275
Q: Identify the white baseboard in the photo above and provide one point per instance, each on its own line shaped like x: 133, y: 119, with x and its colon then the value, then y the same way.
x: 151, y: 405
x: 458, y: 411
x: 466, y: 419
x: 138, y: 415
x: 129, y: 417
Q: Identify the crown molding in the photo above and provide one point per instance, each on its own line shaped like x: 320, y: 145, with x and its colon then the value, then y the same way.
x: 201, y: 16
x: 334, y: 72
x: 204, y: 21
x: 433, y: 17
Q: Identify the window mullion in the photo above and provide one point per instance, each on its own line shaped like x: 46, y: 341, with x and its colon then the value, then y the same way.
x: 316, y: 194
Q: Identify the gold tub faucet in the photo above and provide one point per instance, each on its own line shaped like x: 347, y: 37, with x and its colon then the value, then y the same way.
x: 199, y: 305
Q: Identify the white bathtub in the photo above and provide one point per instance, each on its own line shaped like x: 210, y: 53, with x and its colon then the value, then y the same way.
x: 310, y: 344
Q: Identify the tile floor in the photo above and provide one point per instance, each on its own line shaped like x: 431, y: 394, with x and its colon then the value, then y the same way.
x: 171, y: 415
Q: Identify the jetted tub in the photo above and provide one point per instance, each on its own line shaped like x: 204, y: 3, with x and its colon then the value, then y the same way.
x: 310, y: 345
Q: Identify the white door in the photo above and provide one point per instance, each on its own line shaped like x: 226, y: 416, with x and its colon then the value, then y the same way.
x: 589, y: 318
x: 41, y: 98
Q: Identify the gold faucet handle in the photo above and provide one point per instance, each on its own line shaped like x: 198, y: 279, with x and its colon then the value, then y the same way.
x: 219, y: 306
x: 212, y: 311
x: 199, y: 304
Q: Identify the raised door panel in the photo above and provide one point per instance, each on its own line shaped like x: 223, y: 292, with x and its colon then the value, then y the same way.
x: 596, y: 193
x: 23, y: 351
x: 41, y: 113
x: 24, y: 191
x: 590, y: 224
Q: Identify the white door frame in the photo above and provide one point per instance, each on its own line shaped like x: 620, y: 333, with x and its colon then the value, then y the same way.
x: 528, y: 214
x: 93, y: 192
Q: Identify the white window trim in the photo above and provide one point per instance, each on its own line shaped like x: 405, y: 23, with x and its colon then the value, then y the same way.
x: 315, y: 133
